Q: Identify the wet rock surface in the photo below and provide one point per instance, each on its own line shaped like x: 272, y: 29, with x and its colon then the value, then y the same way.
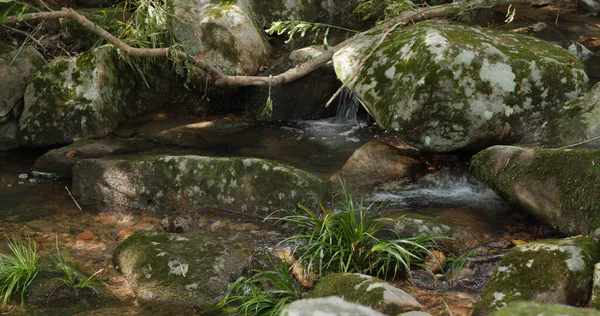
x: 547, y: 309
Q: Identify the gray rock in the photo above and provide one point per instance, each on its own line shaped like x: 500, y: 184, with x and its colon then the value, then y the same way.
x: 249, y: 186
x: 549, y: 271
x: 446, y: 86
x: 377, y: 162
x: 558, y: 186
x: 268, y: 11
x: 329, y: 306
x: 221, y: 32
x: 16, y: 68
x: 59, y: 162
x: 8, y: 135
x: 590, y: 6
x: 543, y: 309
x: 368, y: 291
x: 183, y: 270
x: 77, y: 97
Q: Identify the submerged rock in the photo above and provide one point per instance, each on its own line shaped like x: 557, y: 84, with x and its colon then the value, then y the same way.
x: 182, y: 270
x: 550, y: 271
x: 447, y: 86
x: 368, y: 291
x: 249, y: 186
x: 377, y: 162
x: 16, y: 69
x: 77, y: 97
x: 223, y: 33
x: 545, y: 309
x: 330, y: 306
x: 59, y: 162
x: 558, y: 186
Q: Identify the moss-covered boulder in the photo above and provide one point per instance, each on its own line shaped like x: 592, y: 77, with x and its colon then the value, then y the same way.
x: 327, y: 306
x: 222, y: 32
x: 549, y: 271
x: 558, y: 186
x: 446, y: 86
x: 377, y: 162
x: 82, y: 96
x: 368, y: 291
x: 183, y: 270
x: 543, y: 309
x: 59, y: 162
x: 250, y: 186
x: 581, y: 122
x: 16, y: 69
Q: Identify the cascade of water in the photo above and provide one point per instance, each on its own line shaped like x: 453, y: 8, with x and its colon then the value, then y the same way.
x: 347, y: 105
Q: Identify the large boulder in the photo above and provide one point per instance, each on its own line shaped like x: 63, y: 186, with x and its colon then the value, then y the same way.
x: 183, y: 270
x: 446, y: 86
x: 548, y: 271
x: 368, y: 291
x: 83, y: 96
x: 250, y: 186
x: 16, y: 68
x: 581, y: 122
x: 221, y: 32
x: 558, y: 186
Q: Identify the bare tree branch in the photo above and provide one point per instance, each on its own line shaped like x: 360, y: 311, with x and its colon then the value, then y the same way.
x: 220, y: 78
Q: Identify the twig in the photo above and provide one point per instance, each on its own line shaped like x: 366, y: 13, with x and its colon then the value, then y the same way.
x: 447, y: 308
x: 71, y: 195
x: 580, y: 143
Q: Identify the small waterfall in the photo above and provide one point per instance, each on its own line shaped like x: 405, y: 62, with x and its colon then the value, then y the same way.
x: 347, y: 106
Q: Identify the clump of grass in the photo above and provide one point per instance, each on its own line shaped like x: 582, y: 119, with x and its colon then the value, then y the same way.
x: 455, y: 264
x: 64, y: 262
x: 347, y: 241
x: 264, y: 293
x: 17, y: 270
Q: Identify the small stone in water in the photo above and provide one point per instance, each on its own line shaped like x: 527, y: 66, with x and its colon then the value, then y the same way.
x: 86, y: 235
x: 23, y: 176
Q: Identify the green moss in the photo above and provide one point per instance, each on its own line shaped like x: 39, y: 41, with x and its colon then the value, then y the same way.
x: 574, y: 173
x: 521, y: 308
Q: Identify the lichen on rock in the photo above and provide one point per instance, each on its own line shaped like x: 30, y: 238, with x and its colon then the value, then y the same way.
x: 447, y: 86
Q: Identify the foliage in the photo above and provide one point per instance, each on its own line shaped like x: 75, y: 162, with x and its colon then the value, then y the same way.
x: 389, y: 8
x: 17, y: 270
x: 72, y: 278
x: 291, y: 28
x: 455, y: 264
x: 348, y: 241
x: 264, y: 293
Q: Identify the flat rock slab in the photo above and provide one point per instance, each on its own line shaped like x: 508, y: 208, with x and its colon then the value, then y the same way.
x: 59, y: 162
x: 550, y: 271
x: 330, y: 306
x: 558, y: 186
x: 545, y: 309
x: 250, y: 186
x: 183, y: 270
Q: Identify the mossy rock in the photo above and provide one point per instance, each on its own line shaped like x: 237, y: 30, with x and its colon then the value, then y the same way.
x: 447, y: 86
x: 182, y: 270
x: 550, y: 271
x: 17, y: 67
x: 222, y: 32
x: 82, y: 96
x: 595, y: 300
x: 368, y: 291
x: 559, y: 186
x: 543, y: 309
x: 249, y: 186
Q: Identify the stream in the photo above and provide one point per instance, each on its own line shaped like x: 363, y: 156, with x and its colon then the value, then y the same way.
x: 43, y: 209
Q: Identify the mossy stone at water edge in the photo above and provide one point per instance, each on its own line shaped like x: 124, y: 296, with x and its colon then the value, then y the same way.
x: 332, y: 305
x: 82, y: 96
x: 595, y: 300
x: 249, y: 186
x: 543, y: 309
x: 368, y: 291
x: 447, y: 86
x: 182, y: 270
x: 552, y: 271
x: 559, y: 186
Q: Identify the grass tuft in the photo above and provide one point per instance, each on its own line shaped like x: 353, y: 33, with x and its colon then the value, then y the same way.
x: 64, y: 262
x: 17, y: 270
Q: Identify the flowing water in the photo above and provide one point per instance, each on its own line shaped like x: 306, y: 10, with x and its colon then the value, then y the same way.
x: 45, y: 211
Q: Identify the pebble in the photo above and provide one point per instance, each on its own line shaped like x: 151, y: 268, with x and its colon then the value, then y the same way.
x: 86, y: 235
